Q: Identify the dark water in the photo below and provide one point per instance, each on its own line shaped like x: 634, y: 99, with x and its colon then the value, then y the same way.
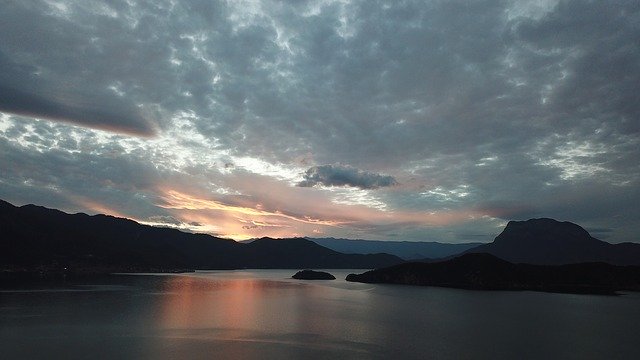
x: 264, y: 315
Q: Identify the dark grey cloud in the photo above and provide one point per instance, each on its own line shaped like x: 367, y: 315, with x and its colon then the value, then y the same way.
x: 340, y: 175
x: 167, y: 220
x: 51, y: 68
x: 113, y: 117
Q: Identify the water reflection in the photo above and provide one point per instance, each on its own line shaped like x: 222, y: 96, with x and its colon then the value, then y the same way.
x: 201, y: 303
x: 245, y: 318
x: 264, y: 315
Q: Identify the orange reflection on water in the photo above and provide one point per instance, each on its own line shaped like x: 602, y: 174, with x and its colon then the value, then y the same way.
x: 202, y: 303
x: 247, y: 315
x: 239, y: 304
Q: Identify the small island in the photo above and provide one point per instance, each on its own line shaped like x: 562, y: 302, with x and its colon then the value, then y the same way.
x: 313, y: 275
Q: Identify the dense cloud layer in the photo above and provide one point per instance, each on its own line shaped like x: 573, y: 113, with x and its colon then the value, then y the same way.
x: 482, y: 111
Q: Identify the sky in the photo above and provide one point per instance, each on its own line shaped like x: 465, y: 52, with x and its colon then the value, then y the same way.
x: 396, y: 120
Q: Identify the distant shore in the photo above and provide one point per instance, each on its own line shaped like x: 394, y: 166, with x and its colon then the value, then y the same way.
x: 17, y: 276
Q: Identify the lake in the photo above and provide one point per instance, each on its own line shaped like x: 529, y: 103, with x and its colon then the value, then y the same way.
x: 263, y: 314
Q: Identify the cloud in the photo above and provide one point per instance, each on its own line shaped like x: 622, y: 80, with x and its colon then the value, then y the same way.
x: 168, y: 220
x: 504, y: 109
x: 176, y: 200
x: 50, y: 70
x: 117, y: 117
x: 340, y: 175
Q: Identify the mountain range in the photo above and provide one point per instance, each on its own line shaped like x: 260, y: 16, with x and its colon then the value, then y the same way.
x: 550, y: 242
x: 37, y: 238
x: 537, y: 254
x: 408, y: 250
x: 540, y: 241
x: 34, y: 237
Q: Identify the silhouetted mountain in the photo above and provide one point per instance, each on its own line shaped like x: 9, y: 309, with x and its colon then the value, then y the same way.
x: 408, y: 250
x: 487, y: 272
x: 33, y: 237
x: 550, y: 242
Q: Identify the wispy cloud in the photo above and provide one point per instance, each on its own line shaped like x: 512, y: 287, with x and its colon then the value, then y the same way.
x: 176, y: 200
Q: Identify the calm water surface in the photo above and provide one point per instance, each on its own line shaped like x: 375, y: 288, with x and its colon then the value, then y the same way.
x: 265, y: 315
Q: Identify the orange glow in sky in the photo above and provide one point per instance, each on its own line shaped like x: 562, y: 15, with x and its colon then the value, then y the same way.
x: 178, y: 200
x: 244, y: 222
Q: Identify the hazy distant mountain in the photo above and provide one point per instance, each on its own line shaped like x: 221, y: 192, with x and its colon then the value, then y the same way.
x: 407, y: 250
x: 34, y: 237
x: 299, y: 253
x: 487, y: 272
x: 550, y: 242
